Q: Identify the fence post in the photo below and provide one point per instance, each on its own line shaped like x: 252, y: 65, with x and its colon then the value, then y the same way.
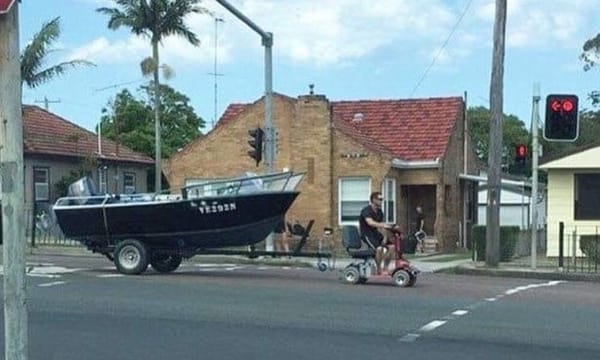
x: 561, y: 244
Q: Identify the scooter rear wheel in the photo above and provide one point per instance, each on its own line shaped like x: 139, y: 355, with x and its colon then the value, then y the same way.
x: 351, y: 275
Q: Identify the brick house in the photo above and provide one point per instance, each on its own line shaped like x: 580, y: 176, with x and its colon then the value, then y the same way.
x: 412, y: 150
x: 53, y: 147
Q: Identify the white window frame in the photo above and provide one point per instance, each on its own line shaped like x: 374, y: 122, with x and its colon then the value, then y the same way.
x: 354, y: 197
x: 388, y: 189
x: 129, y: 189
x: 41, y: 188
x: 103, y: 179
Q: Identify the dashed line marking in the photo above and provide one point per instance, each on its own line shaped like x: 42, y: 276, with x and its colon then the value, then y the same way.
x: 110, y: 275
x: 432, y: 325
x: 54, y: 283
x: 460, y: 312
x: 409, y: 337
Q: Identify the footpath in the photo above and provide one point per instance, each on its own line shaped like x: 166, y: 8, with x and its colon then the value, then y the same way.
x: 456, y: 263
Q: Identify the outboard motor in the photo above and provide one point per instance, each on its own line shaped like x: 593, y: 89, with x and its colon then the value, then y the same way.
x: 84, y: 187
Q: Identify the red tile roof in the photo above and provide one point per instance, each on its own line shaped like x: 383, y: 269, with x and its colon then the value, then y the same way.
x: 49, y: 134
x: 410, y: 129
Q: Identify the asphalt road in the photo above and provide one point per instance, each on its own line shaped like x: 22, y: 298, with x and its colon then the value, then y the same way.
x: 80, y: 308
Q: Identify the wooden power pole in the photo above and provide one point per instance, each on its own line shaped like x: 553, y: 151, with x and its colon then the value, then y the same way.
x: 492, y: 252
x: 11, y: 163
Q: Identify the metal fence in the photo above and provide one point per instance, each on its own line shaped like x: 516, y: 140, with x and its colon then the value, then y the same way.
x: 44, y: 230
x: 579, y: 248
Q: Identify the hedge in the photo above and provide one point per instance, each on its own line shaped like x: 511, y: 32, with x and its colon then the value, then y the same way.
x: 508, y: 239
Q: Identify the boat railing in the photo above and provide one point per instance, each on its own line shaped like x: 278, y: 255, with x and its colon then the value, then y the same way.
x: 285, y: 181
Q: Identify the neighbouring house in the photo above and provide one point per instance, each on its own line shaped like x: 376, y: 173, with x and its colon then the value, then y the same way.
x: 516, y: 208
x: 411, y: 150
x: 573, y: 198
x: 54, y: 149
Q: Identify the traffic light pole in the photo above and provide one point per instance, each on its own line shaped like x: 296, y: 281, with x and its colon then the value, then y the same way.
x: 535, y: 116
x: 267, y: 42
x: 270, y: 131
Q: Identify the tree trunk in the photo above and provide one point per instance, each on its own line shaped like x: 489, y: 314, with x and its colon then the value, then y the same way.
x: 157, y: 142
x: 492, y: 253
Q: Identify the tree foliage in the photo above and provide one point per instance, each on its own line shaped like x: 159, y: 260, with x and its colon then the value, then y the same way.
x: 130, y: 120
x: 514, y: 132
x: 591, y: 58
x: 33, y: 56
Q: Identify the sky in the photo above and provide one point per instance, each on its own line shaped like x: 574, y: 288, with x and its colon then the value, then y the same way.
x: 349, y: 50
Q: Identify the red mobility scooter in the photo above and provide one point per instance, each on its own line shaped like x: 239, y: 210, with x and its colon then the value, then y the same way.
x: 363, y: 266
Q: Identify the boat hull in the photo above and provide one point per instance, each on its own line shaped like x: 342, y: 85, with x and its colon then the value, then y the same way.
x: 208, y: 222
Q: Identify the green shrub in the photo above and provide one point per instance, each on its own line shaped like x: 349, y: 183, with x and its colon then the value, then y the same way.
x: 508, y: 239
x: 590, y: 246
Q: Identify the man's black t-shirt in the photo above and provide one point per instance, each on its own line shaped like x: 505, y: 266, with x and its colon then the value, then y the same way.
x: 420, y: 219
x: 366, y: 230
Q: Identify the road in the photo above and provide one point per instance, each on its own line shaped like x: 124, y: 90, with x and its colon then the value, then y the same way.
x: 80, y: 308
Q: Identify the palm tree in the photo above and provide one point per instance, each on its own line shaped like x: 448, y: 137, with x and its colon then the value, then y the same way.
x: 155, y: 19
x: 32, y: 57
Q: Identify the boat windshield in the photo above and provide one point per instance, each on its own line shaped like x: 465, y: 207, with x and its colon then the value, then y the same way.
x: 250, y: 183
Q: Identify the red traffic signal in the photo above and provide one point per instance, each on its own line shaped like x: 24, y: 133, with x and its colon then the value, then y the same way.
x: 562, y: 118
x: 521, y: 150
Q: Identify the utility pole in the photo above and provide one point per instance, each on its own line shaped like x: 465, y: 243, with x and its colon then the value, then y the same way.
x: 13, y: 214
x: 535, y: 117
x: 492, y: 253
x: 47, y: 102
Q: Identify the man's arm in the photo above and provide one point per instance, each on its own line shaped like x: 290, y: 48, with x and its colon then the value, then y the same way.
x: 376, y: 224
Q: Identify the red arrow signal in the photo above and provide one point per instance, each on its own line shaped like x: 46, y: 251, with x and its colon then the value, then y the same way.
x: 555, y: 105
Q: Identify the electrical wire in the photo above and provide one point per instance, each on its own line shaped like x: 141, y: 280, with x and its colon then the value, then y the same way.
x: 441, y: 48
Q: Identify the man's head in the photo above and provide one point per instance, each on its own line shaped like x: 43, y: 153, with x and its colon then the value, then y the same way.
x: 376, y: 198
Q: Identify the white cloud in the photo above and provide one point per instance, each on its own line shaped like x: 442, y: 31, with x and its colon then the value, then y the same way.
x: 338, y: 32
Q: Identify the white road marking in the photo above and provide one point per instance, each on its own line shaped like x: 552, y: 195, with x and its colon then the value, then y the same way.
x: 460, y: 312
x: 532, y: 286
x: 52, y: 283
x: 432, y: 325
x: 491, y: 299
x: 110, y: 275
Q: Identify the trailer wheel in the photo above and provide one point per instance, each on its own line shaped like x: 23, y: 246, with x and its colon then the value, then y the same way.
x: 401, y: 278
x: 165, y: 263
x: 131, y: 257
x: 351, y: 275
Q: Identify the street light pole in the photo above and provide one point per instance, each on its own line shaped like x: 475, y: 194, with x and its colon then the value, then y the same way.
x: 535, y: 114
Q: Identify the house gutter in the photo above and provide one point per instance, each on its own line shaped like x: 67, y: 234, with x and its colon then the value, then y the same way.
x: 421, y: 164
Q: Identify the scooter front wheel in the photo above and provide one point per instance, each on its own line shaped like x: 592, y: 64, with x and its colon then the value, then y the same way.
x: 401, y: 278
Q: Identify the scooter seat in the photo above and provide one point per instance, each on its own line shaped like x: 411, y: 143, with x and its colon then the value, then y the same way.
x: 361, y: 254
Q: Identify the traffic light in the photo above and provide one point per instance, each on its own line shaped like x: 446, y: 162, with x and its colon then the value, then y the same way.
x: 520, y: 154
x: 256, y: 143
x: 562, y: 118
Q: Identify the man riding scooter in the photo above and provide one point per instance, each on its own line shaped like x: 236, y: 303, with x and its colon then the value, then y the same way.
x: 372, y: 229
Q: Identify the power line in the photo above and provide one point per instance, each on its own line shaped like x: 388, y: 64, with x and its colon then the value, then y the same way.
x: 117, y: 85
x: 441, y: 48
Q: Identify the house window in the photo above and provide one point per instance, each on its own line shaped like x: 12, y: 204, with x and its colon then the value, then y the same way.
x: 354, y: 195
x: 388, y: 189
x: 587, y: 196
x: 41, y: 184
x: 102, y: 179
x: 129, y: 183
